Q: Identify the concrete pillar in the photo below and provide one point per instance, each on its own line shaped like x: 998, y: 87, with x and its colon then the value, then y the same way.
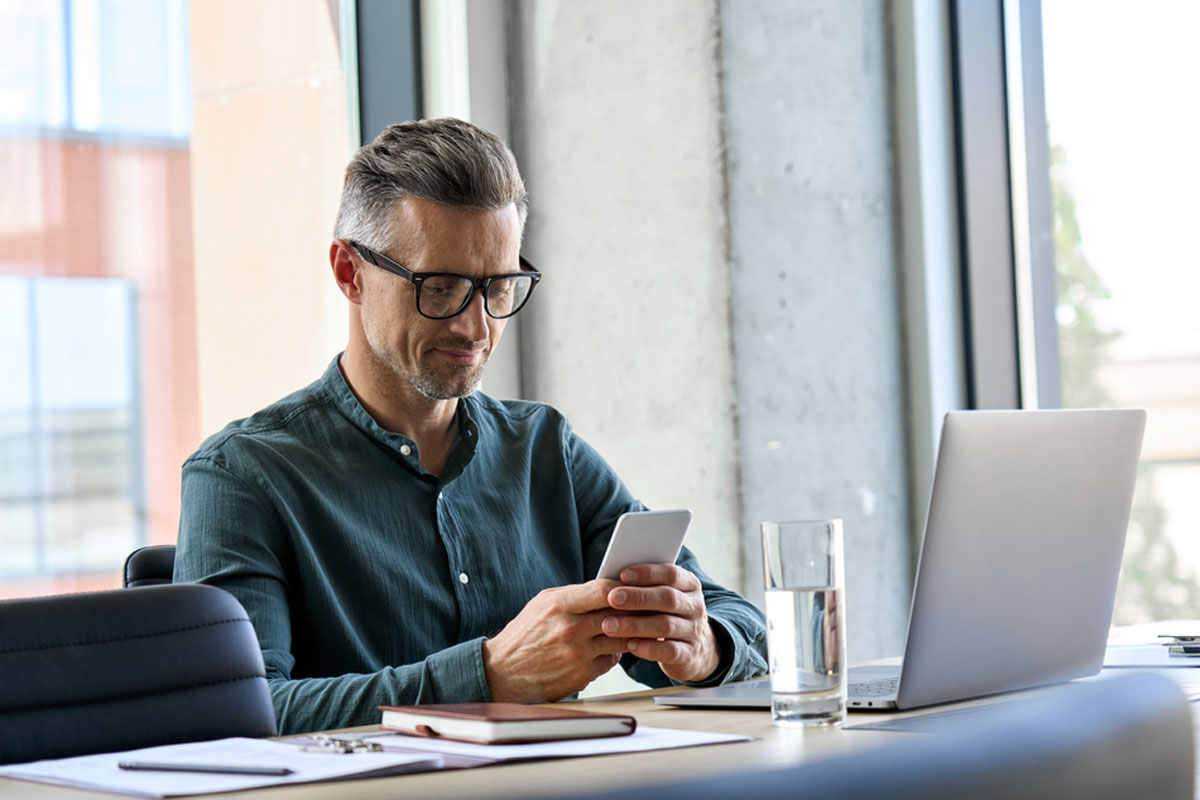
x: 816, y: 322
x: 709, y: 180
x: 616, y: 123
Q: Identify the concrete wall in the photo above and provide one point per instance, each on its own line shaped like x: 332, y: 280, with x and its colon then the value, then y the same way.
x: 815, y: 298
x: 616, y: 124
x: 665, y: 145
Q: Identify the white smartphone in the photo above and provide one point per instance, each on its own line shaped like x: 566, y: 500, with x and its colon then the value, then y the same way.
x: 644, y: 537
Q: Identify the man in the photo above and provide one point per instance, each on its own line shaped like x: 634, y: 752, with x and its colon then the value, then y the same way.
x: 397, y: 537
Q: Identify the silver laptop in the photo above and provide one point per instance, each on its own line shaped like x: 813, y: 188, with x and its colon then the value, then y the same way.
x: 1018, y: 569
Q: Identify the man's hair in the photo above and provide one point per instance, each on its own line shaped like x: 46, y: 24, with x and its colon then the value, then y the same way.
x: 446, y: 161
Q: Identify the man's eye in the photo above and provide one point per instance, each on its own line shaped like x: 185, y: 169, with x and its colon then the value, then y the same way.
x: 441, y: 286
x: 501, y: 288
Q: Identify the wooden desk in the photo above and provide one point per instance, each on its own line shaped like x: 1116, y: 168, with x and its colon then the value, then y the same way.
x: 772, y: 747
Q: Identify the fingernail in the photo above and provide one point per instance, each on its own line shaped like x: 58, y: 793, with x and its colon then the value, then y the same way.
x: 633, y: 645
x: 619, y: 596
x: 629, y: 576
x: 609, y: 625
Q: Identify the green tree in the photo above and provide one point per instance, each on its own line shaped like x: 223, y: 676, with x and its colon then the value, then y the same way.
x: 1153, y: 584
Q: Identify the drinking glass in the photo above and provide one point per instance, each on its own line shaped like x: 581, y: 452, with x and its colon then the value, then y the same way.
x: 806, y: 621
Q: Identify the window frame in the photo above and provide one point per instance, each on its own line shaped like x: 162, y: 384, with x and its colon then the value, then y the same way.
x: 1005, y: 210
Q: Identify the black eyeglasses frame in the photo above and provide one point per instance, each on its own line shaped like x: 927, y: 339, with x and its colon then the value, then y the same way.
x: 477, y: 284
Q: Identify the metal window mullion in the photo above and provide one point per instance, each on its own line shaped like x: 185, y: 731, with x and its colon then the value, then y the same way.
x: 40, y: 491
x: 1019, y: 197
x: 1033, y: 211
x: 985, y: 206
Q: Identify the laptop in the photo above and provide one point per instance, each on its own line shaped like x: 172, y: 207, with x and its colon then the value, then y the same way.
x: 1018, y: 568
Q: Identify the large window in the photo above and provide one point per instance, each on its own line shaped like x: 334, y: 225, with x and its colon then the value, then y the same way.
x: 70, y: 456
x: 1077, y: 131
x: 1123, y: 123
x: 169, y: 176
x: 97, y: 343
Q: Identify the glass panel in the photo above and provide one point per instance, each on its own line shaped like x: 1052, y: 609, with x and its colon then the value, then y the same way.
x: 33, y: 72
x: 97, y: 332
x: 111, y: 192
x: 1124, y: 172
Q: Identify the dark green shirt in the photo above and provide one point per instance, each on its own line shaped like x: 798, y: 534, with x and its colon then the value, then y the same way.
x: 371, y: 581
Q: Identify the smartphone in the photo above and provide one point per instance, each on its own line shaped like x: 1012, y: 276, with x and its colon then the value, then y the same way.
x: 644, y: 537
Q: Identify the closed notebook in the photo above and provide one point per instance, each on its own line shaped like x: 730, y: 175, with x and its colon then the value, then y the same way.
x: 503, y: 723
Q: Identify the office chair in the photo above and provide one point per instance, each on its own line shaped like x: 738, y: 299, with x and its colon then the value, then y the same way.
x: 151, y: 565
x: 1111, y: 739
x: 115, y: 670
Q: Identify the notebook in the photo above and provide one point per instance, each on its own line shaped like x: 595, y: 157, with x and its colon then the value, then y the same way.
x: 1018, y: 568
x: 503, y: 723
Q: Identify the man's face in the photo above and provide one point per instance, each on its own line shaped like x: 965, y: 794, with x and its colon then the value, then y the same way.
x: 439, y: 358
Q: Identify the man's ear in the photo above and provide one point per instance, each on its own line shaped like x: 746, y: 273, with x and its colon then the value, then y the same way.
x: 346, y: 270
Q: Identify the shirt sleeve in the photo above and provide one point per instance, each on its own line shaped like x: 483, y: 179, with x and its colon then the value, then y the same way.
x: 229, y: 537
x: 740, y: 627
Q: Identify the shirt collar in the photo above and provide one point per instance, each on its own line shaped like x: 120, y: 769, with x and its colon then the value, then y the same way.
x: 334, y: 384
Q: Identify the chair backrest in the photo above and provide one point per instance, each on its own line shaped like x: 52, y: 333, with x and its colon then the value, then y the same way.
x: 1112, y: 739
x: 151, y: 565
x: 114, y: 670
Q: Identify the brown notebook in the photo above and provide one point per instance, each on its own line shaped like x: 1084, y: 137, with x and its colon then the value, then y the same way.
x: 503, y: 723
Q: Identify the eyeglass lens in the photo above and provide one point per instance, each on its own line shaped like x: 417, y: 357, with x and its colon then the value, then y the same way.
x: 445, y: 295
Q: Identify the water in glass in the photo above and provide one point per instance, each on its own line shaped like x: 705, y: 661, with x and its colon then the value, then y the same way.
x: 807, y: 646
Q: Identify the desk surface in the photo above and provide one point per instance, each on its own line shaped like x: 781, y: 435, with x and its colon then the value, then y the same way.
x: 772, y: 747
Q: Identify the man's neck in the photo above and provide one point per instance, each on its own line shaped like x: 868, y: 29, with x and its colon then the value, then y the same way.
x: 399, y: 408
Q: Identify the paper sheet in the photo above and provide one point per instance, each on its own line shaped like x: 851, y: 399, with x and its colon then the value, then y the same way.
x: 101, y: 771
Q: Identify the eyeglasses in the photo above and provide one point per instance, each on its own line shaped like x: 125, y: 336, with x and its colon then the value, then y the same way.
x: 441, y: 295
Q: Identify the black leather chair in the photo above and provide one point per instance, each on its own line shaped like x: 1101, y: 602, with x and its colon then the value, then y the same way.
x: 114, y: 670
x: 1113, y: 739
x: 151, y: 565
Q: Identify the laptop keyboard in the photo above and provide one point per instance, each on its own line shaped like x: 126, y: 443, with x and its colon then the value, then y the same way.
x: 880, y: 688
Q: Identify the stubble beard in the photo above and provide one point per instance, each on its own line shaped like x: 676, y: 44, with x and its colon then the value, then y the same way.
x: 448, y: 382
x: 461, y: 382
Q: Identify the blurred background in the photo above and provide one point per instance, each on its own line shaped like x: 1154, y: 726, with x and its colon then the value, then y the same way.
x: 780, y: 239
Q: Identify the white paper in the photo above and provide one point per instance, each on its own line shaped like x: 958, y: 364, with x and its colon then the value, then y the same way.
x: 101, y: 771
x: 644, y: 738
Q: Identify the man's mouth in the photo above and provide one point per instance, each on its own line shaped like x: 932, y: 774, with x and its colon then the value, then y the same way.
x: 461, y: 357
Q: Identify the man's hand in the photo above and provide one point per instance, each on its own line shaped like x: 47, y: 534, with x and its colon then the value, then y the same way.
x: 554, y: 647
x: 667, y: 620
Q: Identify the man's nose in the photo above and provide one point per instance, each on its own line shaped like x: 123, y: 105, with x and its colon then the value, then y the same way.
x: 472, y: 321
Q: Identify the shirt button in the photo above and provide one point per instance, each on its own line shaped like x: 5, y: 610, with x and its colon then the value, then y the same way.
x: 439, y: 495
x: 405, y: 450
x: 463, y: 579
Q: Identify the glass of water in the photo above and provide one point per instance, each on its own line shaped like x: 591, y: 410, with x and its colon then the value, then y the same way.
x: 806, y: 621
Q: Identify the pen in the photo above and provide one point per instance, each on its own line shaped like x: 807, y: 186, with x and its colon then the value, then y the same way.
x: 230, y: 769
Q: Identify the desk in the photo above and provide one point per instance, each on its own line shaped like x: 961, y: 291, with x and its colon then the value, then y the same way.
x: 773, y: 747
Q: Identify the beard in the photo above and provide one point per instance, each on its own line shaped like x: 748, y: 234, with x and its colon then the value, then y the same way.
x: 434, y: 381
x: 454, y: 381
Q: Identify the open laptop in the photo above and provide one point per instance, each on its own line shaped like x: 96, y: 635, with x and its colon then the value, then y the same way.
x: 1018, y: 569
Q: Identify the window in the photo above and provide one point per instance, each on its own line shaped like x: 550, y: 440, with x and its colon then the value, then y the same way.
x: 70, y: 478
x: 97, y: 340
x: 171, y: 173
x: 1078, y: 200
x: 1124, y: 171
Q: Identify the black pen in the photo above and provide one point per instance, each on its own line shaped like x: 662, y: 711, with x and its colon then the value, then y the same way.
x: 165, y: 766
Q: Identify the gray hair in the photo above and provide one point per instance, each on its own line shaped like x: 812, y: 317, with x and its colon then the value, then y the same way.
x: 445, y: 161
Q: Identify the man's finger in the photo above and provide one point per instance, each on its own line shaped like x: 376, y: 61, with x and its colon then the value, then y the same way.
x: 668, y: 651
x: 605, y: 646
x: 664, y: 599
x: 580, y: 598
x: 660, y: 575
x: 657, y: 626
